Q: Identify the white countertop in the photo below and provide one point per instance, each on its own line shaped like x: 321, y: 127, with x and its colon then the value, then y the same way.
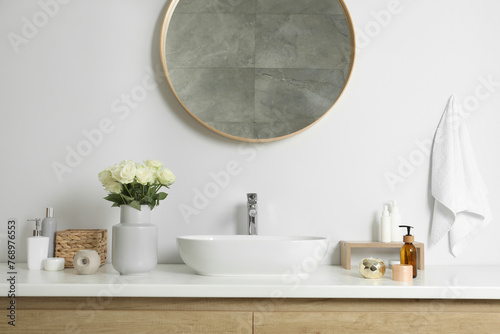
x: 178, y: 280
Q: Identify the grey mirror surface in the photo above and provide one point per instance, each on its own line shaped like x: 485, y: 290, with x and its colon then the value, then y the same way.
x: 257, y: 70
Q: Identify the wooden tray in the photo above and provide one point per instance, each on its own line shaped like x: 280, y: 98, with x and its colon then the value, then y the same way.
x: 346, y: 246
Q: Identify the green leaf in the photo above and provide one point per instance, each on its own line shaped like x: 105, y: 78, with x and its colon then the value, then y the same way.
x: 127, y: 197
x: 161, y: 196
x: 113, y: 198
x: 135, y: 205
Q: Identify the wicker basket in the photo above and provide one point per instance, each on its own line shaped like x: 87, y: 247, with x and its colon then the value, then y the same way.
x: 69, y: 242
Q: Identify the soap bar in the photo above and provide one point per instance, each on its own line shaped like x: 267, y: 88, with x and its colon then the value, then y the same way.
x: 53, y: 263
x: 402, y: 272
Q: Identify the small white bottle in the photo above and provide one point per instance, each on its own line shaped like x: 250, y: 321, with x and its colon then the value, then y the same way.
x: 385, y: 222
x: 395, y: 222
x: 38, y: 247
x: 49, y: 228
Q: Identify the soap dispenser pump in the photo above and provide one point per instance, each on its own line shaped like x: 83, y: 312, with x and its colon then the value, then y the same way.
x: 37, y: 247
x: 408, y: 251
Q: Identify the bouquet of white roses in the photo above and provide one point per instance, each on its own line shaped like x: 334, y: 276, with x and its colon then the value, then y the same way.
x: 134, y: 184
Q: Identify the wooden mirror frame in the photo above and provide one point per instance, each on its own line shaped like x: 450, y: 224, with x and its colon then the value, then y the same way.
x: 163, y: 37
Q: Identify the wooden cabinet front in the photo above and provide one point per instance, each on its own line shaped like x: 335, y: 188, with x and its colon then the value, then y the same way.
x: 249, y: 315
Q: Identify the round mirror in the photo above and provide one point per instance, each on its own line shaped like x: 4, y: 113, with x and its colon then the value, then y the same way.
x: 257, y: 70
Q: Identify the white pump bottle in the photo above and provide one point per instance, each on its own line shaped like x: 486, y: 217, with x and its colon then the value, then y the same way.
x: 385, y: 222
x: 38, y: 247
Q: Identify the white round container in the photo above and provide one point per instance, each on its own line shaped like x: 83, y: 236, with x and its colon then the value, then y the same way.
x: 53, y: 263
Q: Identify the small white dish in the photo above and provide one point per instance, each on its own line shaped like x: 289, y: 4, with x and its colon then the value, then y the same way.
x: 53, y: 264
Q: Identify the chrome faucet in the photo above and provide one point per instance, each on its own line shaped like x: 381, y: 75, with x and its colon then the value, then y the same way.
x: 252, y: 213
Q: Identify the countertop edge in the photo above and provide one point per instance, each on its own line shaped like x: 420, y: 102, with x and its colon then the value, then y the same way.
x: 179, y: 281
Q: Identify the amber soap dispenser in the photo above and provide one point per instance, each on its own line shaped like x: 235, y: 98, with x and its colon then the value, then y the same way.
x: 408, y: 251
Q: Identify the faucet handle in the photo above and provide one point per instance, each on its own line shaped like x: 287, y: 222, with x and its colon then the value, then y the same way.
x: 252, y: 198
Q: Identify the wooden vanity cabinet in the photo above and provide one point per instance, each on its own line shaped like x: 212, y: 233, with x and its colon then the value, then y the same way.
x: 243, y: 315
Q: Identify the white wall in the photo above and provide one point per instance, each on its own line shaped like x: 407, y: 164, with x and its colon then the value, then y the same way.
x: 72, y: 73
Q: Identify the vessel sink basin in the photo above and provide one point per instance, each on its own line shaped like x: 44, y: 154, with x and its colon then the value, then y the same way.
x: 251, y: 255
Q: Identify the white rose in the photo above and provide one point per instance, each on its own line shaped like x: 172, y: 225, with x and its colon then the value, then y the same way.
x: 155, y: 164
x: 109, y: 182
x: 105, y: 176
x: 124, y: 172
x: 113, y: 187
x: 144, y: 175
x: 166, y: 177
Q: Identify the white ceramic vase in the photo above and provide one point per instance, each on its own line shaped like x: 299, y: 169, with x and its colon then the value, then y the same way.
x: 135, y: 241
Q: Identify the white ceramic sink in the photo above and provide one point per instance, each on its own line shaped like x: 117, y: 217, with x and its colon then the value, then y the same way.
x: 254, y: 255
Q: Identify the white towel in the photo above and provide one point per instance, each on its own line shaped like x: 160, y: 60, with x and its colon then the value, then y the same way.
x: 461, y: 204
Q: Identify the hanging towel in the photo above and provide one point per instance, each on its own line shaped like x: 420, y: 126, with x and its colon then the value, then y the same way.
x: 461, y: 204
